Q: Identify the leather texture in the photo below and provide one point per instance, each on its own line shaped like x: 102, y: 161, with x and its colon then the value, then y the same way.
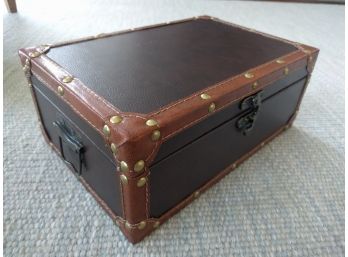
x: 206, y: 125
x: 99, y: 170
x: 143, y: 71
x: 177, y: 115
x: 192, y: 166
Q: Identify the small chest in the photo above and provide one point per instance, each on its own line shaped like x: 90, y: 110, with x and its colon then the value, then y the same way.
x: 148, y: 119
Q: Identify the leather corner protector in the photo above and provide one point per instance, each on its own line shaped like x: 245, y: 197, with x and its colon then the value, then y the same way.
x: 135, y: 150
x: 137, y: 231
x: 312, y: 55
x: 136, y: 144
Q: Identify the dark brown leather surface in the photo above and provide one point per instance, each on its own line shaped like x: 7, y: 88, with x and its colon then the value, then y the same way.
x: 100, y: 170
x: 178, y: 176
x: 189, y: 135
x: 145, y: 70
x: 155, y: 67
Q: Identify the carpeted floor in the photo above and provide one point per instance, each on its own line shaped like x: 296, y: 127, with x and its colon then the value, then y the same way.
x: 287, y: 200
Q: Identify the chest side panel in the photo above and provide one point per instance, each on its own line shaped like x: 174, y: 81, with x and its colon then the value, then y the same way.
x: 181, y: 173
x: 96, y: 165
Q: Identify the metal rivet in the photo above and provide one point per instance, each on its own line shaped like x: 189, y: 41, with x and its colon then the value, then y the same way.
x: 139, y: 165
x: 205, y: 96
x: 116, y: 119
x: 156, y: 135
x: 156, y: 224
x: 106, y: 130
x: 60, y: 90
x: 142, y: 225
x: 248, y: 75
x: 113, y: 148
x: 124, y: 166
x: 124, y: 179
x: 234, y: 165
x: 262, y: 144
x: 34, y: 54
x: 211, y: 107
x: 141, y: 182
x: 280, y: 61
x: 151, y: 122
x: 128, y: 225
x: 196, y: 194
x: 254, y: 85
x: 68, y: 79
x: 286, y: 71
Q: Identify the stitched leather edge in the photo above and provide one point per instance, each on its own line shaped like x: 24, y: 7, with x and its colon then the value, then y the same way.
x: 114, y: 110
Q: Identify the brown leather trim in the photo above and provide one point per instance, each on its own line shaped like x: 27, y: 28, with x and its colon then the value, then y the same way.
x: 191, y: 110
x: 311, y: 60
x: 186, y: 113
x: 133, y: 137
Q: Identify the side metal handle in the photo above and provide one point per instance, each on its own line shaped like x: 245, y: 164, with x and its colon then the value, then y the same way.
x: 71, y: 149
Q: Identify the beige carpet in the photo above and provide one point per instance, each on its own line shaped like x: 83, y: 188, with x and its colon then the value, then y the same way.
x: 287, y: 200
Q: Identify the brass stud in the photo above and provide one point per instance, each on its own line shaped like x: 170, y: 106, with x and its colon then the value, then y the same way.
x: 142, y: 225
x: 156, y: 224
x: 68, y: 79
x: 205, y: 96
x: 212, y: 107
x: 34, y: 54
x: 196, y: 194
x: 106, y: 130
x: 286, y: 71
x: 254, y: 85
x: 116, y: 119
x: 113, y: 148
x: 60, y: 90
x: 151, y: 122
x: 280, y: 61
x: 156, y: 135
x: 124, y: 166
x: 124, y: 179
x: 248, y: 75
x: 139, y: 165
x: 141, y: 182
x: 127, y: 225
